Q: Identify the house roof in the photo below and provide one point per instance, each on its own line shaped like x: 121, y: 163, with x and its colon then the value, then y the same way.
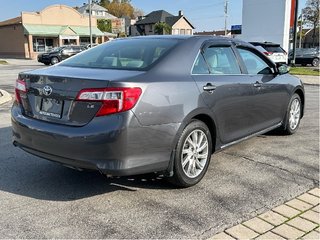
x: 95, y: 7
x: 154, y: 17
x: 11, y: 21
x: 161, y: 16
x: 56, y: 30
x: 172, y: 20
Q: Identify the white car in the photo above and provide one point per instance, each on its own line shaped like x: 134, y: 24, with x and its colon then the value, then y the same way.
x: 273, y: 50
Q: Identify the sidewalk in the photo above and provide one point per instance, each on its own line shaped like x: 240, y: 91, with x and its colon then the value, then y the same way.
x: 312, y: 80
x: 21, y: 61
x: 4, y: 96
x: 298, y: 218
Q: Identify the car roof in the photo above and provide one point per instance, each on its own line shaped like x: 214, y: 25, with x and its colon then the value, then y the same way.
x: 189, y: 37
x: 265, y: 44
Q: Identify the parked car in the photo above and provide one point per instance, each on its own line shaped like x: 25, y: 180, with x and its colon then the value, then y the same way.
x: 89, y: 45
x: 58, y: 54
x: 273, y: 50
x: 153, y: 104
x: 305, y: 56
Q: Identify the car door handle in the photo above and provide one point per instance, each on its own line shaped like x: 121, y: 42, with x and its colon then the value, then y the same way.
x: 257, y: 84
x: 209, y: 88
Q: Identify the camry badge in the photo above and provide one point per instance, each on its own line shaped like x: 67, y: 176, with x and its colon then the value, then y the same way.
x: 47, y: 90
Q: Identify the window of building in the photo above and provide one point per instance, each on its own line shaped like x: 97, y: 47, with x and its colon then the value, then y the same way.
x: 182, y: 31
x: 189, y: 32
x: 69, y: 42
x: 175, y: 31
x: 42, y: 44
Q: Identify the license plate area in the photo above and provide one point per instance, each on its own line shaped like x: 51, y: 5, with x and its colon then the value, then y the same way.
x: 51, y: 107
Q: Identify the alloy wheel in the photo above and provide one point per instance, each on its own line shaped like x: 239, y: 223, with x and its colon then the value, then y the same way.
x: 194, y: 153
x: 54, y: 60
x: 315, y: 62
x: 294, y: 115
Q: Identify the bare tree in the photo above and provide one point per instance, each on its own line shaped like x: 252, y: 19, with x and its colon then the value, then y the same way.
x: 138, y: 12
x: 311, y: 16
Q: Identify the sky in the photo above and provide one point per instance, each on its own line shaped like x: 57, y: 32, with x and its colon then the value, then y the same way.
x: 203, y: 14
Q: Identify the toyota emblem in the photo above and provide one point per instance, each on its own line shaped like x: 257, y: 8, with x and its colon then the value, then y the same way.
x: 47, y: 90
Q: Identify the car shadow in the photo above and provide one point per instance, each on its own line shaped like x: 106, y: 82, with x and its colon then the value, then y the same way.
x: 27, y: 175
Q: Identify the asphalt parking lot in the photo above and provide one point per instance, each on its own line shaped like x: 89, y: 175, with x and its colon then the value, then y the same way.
x: 40, y: 199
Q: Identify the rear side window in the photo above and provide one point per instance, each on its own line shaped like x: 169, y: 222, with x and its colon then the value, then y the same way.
x: 200, y: 66
x: 254, y: 64
x: 133, y: 54
x: 221, y: 60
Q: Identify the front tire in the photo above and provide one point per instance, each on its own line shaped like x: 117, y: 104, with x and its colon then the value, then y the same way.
x: 315, y: 62
x: 192, y: 155
x: 293, y: 115
x: 54, y: 60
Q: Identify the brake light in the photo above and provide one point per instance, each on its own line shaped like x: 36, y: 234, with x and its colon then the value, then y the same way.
x: 20, y: 88
x: 114, y: 100
x: 268, y: 53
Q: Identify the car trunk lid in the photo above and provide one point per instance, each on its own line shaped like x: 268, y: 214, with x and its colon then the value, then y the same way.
x: 51, y: 93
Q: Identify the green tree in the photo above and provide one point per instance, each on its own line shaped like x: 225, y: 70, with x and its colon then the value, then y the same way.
x: 162, y: 28
x: 311, y: 16
x: 104, y: 3
x: 121, y: 9
x: 104, y: 25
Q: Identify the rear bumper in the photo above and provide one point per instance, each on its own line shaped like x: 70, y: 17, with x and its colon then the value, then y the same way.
x: 116, y: 144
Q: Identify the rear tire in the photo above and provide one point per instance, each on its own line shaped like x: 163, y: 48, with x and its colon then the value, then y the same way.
x: 193, y: 153
x: 293, y: 116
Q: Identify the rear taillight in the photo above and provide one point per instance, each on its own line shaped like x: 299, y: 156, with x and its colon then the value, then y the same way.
x: 268, y: 53
x: 114, y: 100
x: 20, y: 88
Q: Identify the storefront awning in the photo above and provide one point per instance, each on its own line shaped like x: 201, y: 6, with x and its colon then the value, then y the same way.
x: 55, y: 30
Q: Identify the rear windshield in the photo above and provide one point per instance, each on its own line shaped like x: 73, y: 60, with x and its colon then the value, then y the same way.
x: 274, y: 49
x: 131, y: 54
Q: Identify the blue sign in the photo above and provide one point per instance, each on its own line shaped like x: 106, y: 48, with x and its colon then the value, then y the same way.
x: 236, y: 29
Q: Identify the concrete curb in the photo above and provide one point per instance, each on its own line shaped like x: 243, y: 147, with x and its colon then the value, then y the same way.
x: 309, y: 80
x: 4, y: 96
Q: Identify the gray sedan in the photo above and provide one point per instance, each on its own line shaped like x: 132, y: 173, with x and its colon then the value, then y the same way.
x: 160, y: 104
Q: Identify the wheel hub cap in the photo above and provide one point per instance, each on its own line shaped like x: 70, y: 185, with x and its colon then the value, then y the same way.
x: 194, y: 153
x: 294, y: 115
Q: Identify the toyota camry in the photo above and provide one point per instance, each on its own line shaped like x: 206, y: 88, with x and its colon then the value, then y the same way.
x: 159, y: 104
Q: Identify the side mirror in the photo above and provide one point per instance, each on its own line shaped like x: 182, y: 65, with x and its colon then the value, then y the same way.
x: 283, y: 69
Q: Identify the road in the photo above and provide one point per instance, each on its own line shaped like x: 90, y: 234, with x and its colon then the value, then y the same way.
x: 40, y: 199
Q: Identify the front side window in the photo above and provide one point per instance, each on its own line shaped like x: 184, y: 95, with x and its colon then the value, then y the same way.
x: 221, y: 60
x: 134, y: 54
x: 254, y: 63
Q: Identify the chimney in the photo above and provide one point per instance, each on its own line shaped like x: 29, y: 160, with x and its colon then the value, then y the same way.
x: 180, y: 13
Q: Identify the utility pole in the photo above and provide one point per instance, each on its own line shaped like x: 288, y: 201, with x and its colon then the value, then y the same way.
x: 301, y: 24
x: 90, y: 28
x: 225, y: 17
x: 295, y: 33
